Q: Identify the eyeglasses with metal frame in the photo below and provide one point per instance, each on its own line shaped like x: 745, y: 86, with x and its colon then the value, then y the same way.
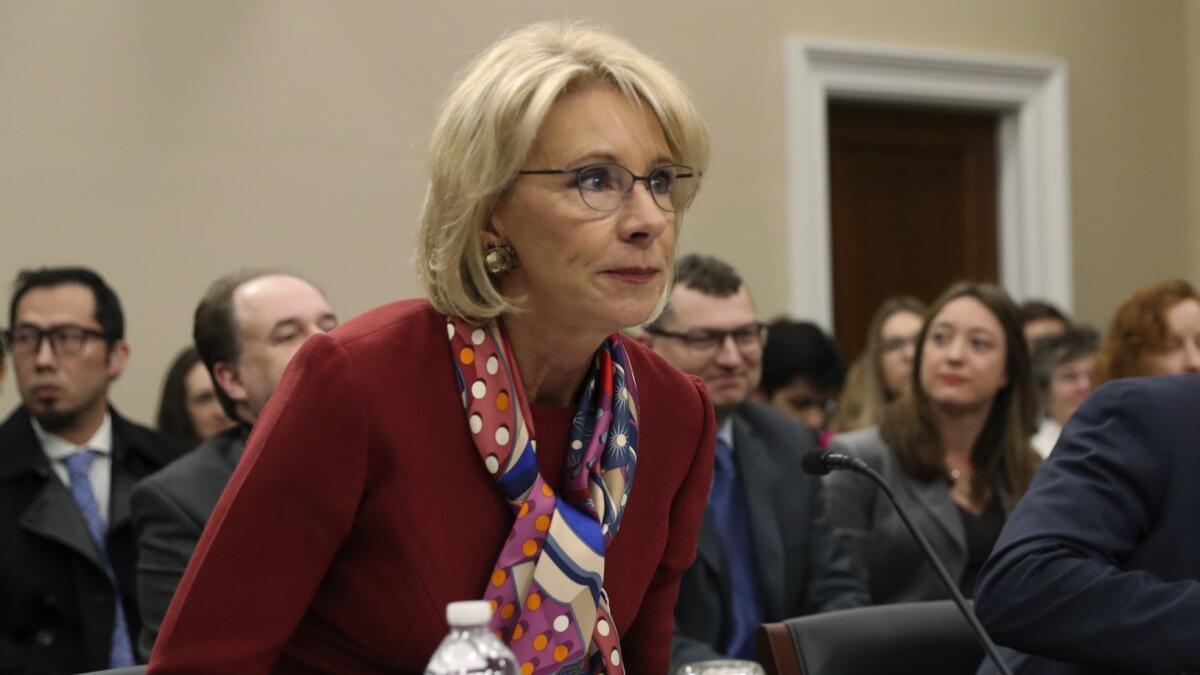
x: 606, y: 186
x: 747, y: 338
x: 66, y: 339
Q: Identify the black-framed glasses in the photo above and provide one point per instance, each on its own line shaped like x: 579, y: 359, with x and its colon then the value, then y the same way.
x: 605, y: 187
x: 747, y: 338
x: 66, y: 339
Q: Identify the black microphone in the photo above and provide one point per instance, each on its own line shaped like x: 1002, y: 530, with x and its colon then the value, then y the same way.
x: 821, y: 462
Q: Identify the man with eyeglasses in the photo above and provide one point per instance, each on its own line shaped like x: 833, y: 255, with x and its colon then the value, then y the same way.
x: 766, y: 550
x: 67, y: 463
x: 247, y: 328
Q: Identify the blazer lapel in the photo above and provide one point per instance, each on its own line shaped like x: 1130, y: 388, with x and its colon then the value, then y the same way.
x: 54, y: 515
x: 934, y: 497
x: 757, y: 477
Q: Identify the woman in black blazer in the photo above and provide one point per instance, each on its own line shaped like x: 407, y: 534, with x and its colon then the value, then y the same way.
x: 955, y: 448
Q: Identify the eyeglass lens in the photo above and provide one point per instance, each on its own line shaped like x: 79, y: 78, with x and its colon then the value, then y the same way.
x: 63, y: 339
x: 605, y: 186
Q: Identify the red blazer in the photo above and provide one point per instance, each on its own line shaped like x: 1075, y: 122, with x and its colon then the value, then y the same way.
x: 361, y: 508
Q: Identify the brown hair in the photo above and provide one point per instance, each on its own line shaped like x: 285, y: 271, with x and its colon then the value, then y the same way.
x: 865, y: 395
x: 173, y: 418
x: 1138, y: 328
x: 1002, y: 450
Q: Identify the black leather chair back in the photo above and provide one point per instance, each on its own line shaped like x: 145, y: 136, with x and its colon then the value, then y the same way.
x: 921, y: 638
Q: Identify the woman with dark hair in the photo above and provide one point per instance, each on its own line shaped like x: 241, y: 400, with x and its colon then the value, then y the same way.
x: 954, y: 447
x: 884, y: 369
x: 188, y: 410
x: 1154, y: 332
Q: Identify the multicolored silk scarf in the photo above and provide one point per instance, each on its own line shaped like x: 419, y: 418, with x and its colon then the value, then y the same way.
x: 547, y: 589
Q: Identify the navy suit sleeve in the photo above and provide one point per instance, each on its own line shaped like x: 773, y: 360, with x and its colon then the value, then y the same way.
x: 1058, y: 583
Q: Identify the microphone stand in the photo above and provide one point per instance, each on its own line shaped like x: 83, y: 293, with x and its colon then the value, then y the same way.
x: 834, y: 461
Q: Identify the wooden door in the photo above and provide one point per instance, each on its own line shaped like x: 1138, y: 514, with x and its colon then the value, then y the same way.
x: 913, y: 206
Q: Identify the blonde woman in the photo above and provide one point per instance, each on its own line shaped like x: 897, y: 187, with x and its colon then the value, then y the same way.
x: 883, y: 370
x: 484, y: 443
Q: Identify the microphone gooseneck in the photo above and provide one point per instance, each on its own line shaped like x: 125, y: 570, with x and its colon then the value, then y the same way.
x: 821, y: 462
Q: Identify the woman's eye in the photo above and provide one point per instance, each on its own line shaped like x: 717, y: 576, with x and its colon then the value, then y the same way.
x: 661, y: 180
x: 939, y: 338
x: 595, y: 179
x: 981, y: 345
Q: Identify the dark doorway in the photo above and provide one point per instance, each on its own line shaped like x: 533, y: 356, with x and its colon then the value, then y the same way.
x: 913, y: 203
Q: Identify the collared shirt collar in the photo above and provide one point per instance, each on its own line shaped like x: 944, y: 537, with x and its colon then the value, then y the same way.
x: 725, y: 432
x: 58, y: 449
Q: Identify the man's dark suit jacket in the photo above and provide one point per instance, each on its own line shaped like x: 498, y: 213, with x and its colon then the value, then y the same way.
x: 169, y: 510
x: 802, y: 569
x: 56, y: 602
x: 1098, y: 569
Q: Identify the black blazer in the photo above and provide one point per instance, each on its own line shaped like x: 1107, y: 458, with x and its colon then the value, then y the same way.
x: 170, y: 509
x: 56, y: 602
x: 1099, y: 566
x: 801, y: 567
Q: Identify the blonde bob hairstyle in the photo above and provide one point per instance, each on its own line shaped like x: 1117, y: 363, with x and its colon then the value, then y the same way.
x: 488, y: 126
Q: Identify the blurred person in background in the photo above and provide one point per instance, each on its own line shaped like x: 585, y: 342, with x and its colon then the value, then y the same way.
x: 1156, y: 331
x: 1062, y: 371
x: 884, y: 370
x: 68, y: 461
x: 954, y: 447
x: 188, y: 409
x: 766, y: 551
x: 802, y: 374
x: 247, y: 328
x: 1040, y: 319
x: 485, y: 442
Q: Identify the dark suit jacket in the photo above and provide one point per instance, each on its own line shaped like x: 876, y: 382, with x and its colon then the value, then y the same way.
x: 169, y: 510
x: 361, y: 508
x: 56, y: 602
x: 801, y: 567
x: 1099, y: 564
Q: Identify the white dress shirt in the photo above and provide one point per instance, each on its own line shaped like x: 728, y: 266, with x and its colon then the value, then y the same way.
x: 57, y: 449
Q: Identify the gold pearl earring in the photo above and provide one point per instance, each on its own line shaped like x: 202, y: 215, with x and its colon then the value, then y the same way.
x: 499, y: 259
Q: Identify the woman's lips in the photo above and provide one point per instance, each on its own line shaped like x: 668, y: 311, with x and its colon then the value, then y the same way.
x: 953, y: 380
x: 633, y: 275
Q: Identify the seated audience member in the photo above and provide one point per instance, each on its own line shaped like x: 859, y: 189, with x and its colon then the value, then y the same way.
x: 485, y: 442
x: 954, y: 447
x: 802, y: 374
x: 1098, y: 569
x: 188, y: 410
x: 1040, y: 320
x: 884, y: 369
x: 67, y: 463
x: 1062, y: 370
x: 1154, y: 332
x: 766, y: 549
x: 247, y: 328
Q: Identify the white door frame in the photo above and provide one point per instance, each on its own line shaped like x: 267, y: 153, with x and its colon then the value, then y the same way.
x: 1034, y: 199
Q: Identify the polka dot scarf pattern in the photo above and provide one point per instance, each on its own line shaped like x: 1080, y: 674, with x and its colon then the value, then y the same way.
x: 546, y: 588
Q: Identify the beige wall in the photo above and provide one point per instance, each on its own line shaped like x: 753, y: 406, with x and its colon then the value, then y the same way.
x: 167, y: 143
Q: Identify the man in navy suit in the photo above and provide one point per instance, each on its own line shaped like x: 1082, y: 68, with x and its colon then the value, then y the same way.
x: 766, y: 549
x: 1098, y: 568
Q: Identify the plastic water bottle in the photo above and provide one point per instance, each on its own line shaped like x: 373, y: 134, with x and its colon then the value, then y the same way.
x: 471, y: 647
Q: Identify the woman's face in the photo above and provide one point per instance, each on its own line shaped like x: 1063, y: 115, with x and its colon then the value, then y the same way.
x: 595, y: 271
x: 201, y: 403
x: 897, y: 344
x: 963, y: 357
x: 1070, y: 384
x: 1181, y: 354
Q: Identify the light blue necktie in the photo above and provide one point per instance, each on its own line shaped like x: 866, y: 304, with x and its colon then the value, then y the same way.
x: 121, y: 654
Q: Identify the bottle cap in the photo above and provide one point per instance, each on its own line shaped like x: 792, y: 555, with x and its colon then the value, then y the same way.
x: 469, y: 613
